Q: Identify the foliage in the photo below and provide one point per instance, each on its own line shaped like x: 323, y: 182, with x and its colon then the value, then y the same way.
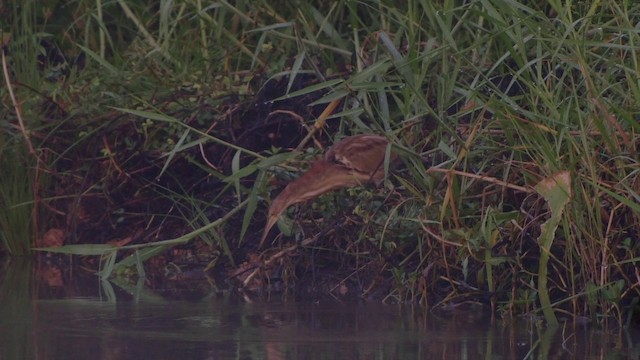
x: 177, y: 118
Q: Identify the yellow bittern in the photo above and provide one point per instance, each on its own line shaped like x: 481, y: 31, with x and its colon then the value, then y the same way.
x: 353, y: 161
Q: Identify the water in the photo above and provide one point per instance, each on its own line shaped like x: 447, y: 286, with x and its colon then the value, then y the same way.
x: 135, y: 323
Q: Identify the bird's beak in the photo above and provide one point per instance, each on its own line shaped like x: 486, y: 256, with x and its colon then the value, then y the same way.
x: 272, y: 220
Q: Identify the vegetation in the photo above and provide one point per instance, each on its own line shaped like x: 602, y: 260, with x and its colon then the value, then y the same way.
x: 159, y: 125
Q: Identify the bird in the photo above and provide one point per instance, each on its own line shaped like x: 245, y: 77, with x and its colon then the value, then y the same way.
x: 353, y: 161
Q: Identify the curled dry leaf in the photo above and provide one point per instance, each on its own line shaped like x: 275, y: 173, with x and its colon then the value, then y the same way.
x: 52, y: 238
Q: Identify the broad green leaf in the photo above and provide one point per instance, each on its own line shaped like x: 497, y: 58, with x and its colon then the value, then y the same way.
x: 81, y: 249
x: 107, y: 266
x: 310, y: 89
x: 276, y: 159
x: 252, y: 205
x: 556, y: 190
x: 235, y: 168
x: 100, y: 60
x: 174, y: 151
x: 295, y: 69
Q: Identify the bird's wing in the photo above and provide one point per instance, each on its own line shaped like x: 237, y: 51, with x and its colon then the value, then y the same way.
x: 362, y: 153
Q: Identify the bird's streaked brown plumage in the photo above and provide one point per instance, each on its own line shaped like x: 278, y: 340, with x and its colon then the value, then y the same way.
x: 361, y: 153
x: 353, y: 161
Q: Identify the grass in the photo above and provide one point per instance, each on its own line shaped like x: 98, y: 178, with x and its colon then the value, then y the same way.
x: 16, y: 201
x: 483, y: 101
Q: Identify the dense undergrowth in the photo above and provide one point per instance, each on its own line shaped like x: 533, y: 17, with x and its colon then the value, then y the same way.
x: 161, y: 130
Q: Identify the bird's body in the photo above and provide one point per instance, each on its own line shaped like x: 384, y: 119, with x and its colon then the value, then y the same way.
x: 361, y: 153
x: 353, y: 161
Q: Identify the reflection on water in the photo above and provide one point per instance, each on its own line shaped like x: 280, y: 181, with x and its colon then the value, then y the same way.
x: 144, y: 325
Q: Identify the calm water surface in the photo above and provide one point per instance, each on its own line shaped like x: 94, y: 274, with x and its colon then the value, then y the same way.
x: 135, y: 323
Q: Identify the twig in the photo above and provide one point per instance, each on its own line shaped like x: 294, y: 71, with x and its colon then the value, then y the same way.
x: 319, y: 122
x: 483, y: 178
x: 277, y: 256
